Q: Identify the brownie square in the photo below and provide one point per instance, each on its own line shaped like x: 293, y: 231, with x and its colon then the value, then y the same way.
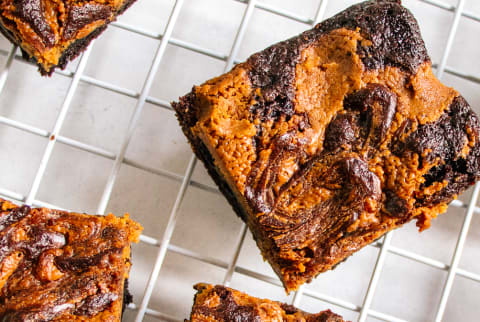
x: 326, y: 141
x: 51, y: 33
x: 56, y: 265
x: 220, y: 303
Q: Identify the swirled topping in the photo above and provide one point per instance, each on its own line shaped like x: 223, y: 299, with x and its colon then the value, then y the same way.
x: 59, y: 265
x: 219, y: 303
x: 45, y: 29
x: 326, y: 141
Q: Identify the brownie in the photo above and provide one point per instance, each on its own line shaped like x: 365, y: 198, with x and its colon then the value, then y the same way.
x: 56, y: 265
x: 53, y: 32
x: 220, y: 303
x: 324, y: 142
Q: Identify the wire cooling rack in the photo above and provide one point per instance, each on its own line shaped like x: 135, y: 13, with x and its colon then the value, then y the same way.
x: 57, y: 128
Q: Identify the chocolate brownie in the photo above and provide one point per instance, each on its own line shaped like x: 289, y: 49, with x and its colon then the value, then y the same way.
x: 56, y: 265
x: 326, y: 141
x: 220, y: 303
x: 53, y: 32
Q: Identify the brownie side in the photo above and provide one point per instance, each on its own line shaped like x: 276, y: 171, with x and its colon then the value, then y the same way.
x: 187, y: 119
x: 326, y: 141
x: 59, y: 265
x: 220, y: 303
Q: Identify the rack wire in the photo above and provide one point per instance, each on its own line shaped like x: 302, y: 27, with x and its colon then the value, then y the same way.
x: 164, y: 244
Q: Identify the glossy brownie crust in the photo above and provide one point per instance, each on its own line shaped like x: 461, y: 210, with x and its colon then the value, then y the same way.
x: 219, y: 303
x: 326, y: 141
x: 62, y: 266
x: 52, y: 42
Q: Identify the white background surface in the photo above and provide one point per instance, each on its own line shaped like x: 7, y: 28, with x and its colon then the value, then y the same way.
x: 75, y: 179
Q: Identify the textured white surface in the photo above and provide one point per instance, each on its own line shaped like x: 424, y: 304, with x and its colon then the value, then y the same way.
x: 206, y: 226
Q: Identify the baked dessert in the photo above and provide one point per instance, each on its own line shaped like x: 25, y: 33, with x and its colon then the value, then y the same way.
x: 56, y: 265
x: 53, y: 32
x: 220, y: 303
x: 326, y: 141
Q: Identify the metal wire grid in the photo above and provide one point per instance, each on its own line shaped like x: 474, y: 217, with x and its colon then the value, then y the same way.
x: 164, y: 244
